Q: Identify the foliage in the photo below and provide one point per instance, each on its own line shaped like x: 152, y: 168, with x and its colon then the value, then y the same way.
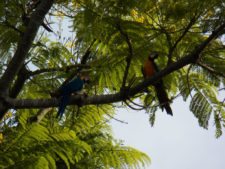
x: 82, y: 142
x: 101, y: 37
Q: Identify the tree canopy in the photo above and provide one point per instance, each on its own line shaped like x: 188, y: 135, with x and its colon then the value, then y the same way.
x: 109, y: 41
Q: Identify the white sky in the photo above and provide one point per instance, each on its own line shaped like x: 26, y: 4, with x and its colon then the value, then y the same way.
x: 174, y: 142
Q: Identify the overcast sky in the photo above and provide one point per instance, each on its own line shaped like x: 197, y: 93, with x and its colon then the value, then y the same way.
x: 174, y: 142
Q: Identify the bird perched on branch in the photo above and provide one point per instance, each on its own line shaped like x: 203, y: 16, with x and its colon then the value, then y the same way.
x: 66, y: 91
x: 148, y: 70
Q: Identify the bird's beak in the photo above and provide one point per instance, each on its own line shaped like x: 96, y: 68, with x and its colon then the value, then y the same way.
x: 87, y: 80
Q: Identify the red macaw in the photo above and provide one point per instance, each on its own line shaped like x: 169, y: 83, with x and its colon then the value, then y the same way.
x: 149, y: 69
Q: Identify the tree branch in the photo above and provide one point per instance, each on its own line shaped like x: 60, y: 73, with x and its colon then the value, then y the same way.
x: 47, y: 70
x: 39, y: 116
x: 20, y: 81
x: 83, y: 61
x: 110, y: 98
x: 7, y: 24
x: 23, y: 46
x: 172, y: 48
x: 211, y: 70
x: 129, y: 56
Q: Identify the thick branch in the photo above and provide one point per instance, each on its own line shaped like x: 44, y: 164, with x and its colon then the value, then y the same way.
x: 23, y: 46
x: 19, y: 83
x: 19, y: 57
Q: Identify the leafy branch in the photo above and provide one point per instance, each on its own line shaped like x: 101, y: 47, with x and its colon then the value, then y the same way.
x: 211, y: 70
x: 111, y: 98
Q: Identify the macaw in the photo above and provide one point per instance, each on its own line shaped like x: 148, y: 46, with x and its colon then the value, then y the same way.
x: 149, y: 69
x: 66, y: 91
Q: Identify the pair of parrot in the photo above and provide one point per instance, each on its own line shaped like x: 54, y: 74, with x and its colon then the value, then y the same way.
x: 148, y: 70
x: 67, y: 90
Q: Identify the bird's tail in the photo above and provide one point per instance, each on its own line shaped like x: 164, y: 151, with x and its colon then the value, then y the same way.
x: 163, y: 98
x: 168, y: 108
x: 62, y: 105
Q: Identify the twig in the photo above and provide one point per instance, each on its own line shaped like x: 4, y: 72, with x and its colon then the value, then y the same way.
x: 172, y: 48
x: 129, y: 56
x: 118, y: 120
x: 84, y: 60
x: 7, y: 24
x: 47, y: 70
x: 132, y: 106
x: 136, y: 104
x: 211, y: 70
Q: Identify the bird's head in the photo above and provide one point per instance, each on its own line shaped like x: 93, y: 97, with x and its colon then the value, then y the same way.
x: 85, y: 78
x: 153, y: 55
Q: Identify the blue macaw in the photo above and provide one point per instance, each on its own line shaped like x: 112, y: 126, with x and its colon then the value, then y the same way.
x: 66, y: 91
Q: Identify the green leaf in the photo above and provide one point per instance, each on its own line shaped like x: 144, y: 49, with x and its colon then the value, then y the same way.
x: 201, y: 108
